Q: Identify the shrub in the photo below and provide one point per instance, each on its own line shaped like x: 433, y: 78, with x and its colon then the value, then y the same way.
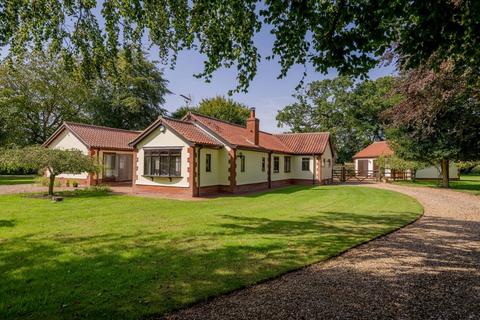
x: 75, y: 184
x: 476, y: 170
x: 99, y: 188
x: 67, y: 183
x: 42, y: 181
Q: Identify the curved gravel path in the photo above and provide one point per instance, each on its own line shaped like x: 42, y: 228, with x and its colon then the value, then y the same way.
x: 427, y: 270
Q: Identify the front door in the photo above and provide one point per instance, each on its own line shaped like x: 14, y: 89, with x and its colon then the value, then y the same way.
x: 117, y: 167
x: 109, y: 166
x: 124, y: 167
x: 362, y: 167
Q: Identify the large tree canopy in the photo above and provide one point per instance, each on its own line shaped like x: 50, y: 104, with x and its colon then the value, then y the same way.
x: 438, y: 119
x: 349, y: 111
x: 350, y: 35
x: 218, y: 107
x: 37, y: 94
x: 132, y: 98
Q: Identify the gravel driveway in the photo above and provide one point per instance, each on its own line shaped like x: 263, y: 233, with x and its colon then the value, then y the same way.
x: 427, y: 270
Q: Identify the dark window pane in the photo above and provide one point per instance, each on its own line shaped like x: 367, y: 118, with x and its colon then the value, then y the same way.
x: 305, y: 164
x: 276, y: 164
x: 162, y: 162
x: 286, y: 165
x: 208, y: 162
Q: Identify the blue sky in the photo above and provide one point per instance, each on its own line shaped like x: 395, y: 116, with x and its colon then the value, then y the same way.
x: 266, y: 93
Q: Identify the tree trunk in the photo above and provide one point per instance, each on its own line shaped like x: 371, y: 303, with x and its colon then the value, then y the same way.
x: 445, y: 173
x: 51, y: 184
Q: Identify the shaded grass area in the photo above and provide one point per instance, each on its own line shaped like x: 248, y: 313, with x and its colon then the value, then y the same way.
x: 467, y: 183
x: 12, y: 180
x: 112, y: 256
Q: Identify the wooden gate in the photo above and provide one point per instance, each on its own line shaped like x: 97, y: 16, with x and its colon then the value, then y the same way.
x: 345, y: 173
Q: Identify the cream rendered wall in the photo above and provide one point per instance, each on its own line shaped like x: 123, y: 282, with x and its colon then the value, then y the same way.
x: 434, y: 173
x: 219, y: 167
x: 327, y: 166
x: 253, y: 167
x: 297, y: 172
x: 282, y: 175
x: 166, y: 139
x: 67, y: 141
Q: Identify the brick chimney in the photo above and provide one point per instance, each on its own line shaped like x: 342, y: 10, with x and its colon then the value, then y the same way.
x: 253, y: 127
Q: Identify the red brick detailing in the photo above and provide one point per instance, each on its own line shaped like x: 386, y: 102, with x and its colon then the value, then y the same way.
x: 63, y: 181
x: 232, y: 171
x: 192, y: 170
x: 253, y: 127
x: 251, y: 187
x: 134, y: 170
x: 318, y: 179
x: 221, y: 189
x: 91, y: 178
x: 269, y: 168
x: 139, y: 188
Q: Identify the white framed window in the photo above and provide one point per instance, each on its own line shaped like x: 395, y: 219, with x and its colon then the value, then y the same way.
x: 305, y: 164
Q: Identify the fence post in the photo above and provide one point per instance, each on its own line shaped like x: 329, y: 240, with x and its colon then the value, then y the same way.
x: 342, y: 177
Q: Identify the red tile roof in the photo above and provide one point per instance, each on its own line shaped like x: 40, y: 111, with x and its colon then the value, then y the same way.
x: 97, y: 136
x: 306, y: 143
x: 185, y: 129
x: 376, y: 149
x: 191, y: 132
x: 237, y: 135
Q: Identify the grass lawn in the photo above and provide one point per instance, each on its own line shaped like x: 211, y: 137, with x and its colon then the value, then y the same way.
x: 111, y: 256
x: 9, y: 180
x: 467, y: 183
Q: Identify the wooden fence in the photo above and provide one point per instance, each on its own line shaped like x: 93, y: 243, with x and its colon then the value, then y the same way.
x: 342, y: 173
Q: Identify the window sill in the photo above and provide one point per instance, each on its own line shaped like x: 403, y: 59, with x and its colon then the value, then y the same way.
x: 161, y: 176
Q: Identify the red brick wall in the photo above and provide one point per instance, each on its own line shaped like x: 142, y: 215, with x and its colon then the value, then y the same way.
x: 163, y: 189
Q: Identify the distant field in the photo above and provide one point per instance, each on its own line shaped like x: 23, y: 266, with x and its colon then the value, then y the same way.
x: 11, y: 180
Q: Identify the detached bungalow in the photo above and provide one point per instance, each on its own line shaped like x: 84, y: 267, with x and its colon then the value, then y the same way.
x: 199, y: 155
x: 366, y: 163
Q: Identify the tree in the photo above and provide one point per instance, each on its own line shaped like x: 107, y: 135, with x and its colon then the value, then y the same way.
x: 349, y: 111
x: 53, y: 161
x: 438, y: 118
x: 218, y: 107
x: 182, y: 112
x: 36, y: 95
x: 129, y: 97
x: 350, y: 35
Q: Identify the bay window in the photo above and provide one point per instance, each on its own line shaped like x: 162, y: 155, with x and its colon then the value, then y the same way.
x: 162, y: 163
